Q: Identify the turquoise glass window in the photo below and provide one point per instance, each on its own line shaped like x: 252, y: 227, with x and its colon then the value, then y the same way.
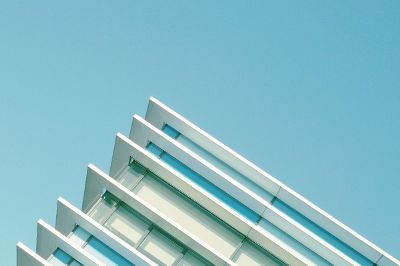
x: 205, y: 184
x: 170, y: 131
x: 105, y: 253
x: 322, y: 233
x: 97, y: 248
x: 154, y: 149
x: 221, y: 165
x: 59, y: 257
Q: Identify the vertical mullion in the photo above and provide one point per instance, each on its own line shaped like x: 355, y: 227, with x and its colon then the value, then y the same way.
x: 139, y: 180
x: 148, y: 231
x: 240, y: 245
x: 87, y: 241
x: 183, y: 253
x: 115, y: 208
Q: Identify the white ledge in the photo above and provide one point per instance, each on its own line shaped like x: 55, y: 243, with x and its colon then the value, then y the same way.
x: 69, y: 216
x: 49, y: 239
x: 27, y: 257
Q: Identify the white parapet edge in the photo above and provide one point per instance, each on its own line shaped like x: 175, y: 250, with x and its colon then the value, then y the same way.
x: 68, y: 216
x: 143, y: 132
x: 96, y: 176
x: 49, y: 239
x: 124, y: 148
x: 159, y: 114
x: 28, y: 257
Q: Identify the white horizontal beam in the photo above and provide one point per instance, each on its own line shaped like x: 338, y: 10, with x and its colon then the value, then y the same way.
x: 27, y: 257
x: 49, y: 239
x: 68, y: 216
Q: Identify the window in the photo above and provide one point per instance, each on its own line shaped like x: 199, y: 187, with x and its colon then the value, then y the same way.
x: 105, y: 253
x: 188, y: 215
x: 230, y: 201
x: 104, y: 208
x: 97, y: 248
x: 132, y: 175
x: 136, y: 230
x: 60, y: 258
x: 191, y: 259
x: 161, y: 248
x: 221, y: 165
x: 127, y: 225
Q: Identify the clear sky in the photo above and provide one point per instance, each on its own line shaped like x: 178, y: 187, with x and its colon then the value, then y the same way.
x: 308, y: 90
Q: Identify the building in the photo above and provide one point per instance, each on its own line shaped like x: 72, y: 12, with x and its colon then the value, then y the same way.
x: 177, y: 196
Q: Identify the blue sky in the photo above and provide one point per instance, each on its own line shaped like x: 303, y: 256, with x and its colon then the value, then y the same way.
x: 308, y: 90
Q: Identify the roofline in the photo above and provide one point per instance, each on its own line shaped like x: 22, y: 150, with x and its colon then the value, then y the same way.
x: 159, y: 114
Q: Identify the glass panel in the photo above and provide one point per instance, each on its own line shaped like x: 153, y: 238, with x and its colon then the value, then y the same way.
x: 170, y: 131
x: 125, y: 224
x: 190, y: 259
x: 251, y: 254
x: 104, y: 208
x: 59, y: 257
x: 161, y: 248
x: 221, y: 165
x: 75, y: 263
x: 208, y: 186
x: 79, y: 236
x: 154, y: 149
x: 186, y: 214
x: 130, y: 177
x: 322, y: 233
x: 105, y: 253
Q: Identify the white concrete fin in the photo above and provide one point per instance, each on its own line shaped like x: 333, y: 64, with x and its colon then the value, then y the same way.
x: 49, y: 239
x: 28, y: 257
x: 68, y: 215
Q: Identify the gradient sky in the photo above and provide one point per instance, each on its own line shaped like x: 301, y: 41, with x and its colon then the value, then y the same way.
x: 308, y: 90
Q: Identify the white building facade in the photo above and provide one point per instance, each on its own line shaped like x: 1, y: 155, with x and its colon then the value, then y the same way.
x: 177, y: 196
